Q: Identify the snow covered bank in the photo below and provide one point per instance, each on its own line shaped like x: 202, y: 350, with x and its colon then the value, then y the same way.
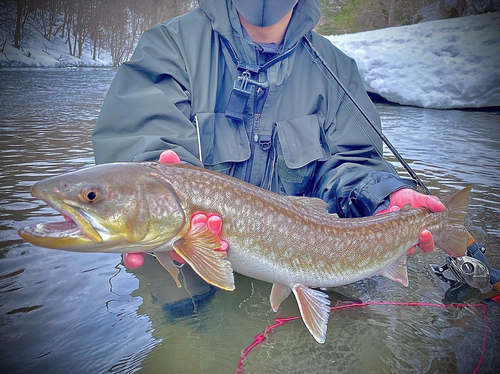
x: 39, y: 52
x: 452, y: 63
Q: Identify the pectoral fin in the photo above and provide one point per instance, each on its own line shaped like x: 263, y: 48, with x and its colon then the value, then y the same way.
x: 167, y: 262
x: 397, y: 271
x: 278, y: 294
x: 198, y: 249
x: 315, y: 308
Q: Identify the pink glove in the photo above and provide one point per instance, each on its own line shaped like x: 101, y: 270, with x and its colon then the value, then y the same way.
x: 134, y: 261
x: 417, y: 200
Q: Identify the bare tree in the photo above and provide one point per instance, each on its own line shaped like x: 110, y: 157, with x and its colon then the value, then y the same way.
x: 96, y: 16
x: 112, y: 24
x: 22, y: 12
x: 45, y: 16
x: 81, y: 27
x: 116, y: 25
x: 68, y: 20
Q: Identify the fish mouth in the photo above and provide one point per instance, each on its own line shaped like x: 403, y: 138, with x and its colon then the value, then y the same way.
x: 75, y: 231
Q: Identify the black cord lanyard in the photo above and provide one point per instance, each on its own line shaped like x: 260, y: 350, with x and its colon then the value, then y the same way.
x: 244, y: 85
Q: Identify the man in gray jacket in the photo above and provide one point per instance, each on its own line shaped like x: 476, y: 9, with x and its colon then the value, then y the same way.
x: 232, y: 87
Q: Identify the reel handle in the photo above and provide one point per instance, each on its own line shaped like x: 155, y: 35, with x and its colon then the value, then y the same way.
x: 474, y: 250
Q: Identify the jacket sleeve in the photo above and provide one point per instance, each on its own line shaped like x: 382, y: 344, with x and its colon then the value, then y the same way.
x: 147, y: 108
x: 356, y: 181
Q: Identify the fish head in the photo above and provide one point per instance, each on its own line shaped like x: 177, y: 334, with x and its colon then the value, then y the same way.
x: 120, y: 207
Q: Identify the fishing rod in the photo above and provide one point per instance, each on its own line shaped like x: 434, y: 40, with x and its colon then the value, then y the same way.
x: 472, y: 269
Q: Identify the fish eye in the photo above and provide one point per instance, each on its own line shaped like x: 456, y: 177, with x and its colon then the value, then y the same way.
x: 90, y: 194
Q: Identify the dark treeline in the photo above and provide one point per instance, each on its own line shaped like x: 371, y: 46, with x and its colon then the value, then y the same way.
x: 348, y: 16
x: 111, y: 25
x: 116, y: 25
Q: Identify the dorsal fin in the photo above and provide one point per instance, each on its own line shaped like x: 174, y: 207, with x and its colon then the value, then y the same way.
x: 406, y: 207
x: 313, y: 205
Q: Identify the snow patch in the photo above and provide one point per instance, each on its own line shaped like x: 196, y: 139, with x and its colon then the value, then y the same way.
x: 39, y: 52
x: 443, y: 64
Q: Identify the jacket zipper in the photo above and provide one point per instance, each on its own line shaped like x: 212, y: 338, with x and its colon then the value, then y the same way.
x: 254, y: 135
x: 255, y: 128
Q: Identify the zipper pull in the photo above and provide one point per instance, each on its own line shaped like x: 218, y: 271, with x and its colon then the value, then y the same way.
x: 256, y: 119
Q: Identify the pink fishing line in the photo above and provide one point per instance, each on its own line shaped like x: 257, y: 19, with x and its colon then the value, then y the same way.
x: 260, y: 338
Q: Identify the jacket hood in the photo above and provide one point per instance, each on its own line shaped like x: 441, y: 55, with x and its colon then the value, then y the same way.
x: 225, y: 21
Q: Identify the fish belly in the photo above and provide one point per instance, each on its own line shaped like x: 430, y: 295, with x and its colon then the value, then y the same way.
x: 330, y: 262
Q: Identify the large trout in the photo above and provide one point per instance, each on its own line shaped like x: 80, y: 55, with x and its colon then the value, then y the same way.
x: 291, y: 242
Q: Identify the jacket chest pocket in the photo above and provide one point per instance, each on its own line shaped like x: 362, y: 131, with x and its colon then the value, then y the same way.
x: 301, y: 142
x: 222, y: 142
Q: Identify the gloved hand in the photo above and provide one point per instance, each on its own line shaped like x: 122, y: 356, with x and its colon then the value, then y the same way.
x: 417, y: 200
x: 134, y: 261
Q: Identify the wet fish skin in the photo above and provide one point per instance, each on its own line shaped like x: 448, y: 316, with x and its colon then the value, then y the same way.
x: 291, y: 242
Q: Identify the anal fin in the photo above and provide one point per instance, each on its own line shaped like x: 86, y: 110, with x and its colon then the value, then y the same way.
x: 278, y: 294
x: 397, y: 271
x: 315, y: 308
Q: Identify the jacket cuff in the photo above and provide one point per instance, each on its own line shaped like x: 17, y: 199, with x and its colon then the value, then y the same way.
x: 372, y: 194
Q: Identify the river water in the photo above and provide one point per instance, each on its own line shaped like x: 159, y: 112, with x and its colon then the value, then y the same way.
x: 66, y: 312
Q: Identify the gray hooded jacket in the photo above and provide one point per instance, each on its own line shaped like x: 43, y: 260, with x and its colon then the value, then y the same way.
x: 296, y: 135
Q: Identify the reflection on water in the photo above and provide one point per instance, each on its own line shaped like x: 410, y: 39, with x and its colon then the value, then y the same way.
x: 56, y: 307
x: 69, y: 312
x: 450, y: 150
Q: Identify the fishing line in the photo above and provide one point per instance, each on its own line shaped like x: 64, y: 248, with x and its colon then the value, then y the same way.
x: 240, y: 305
x: 261, y: 338
x: 191, y: 295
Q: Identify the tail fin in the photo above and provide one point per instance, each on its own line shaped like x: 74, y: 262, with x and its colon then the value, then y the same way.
x: 453, y: 238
